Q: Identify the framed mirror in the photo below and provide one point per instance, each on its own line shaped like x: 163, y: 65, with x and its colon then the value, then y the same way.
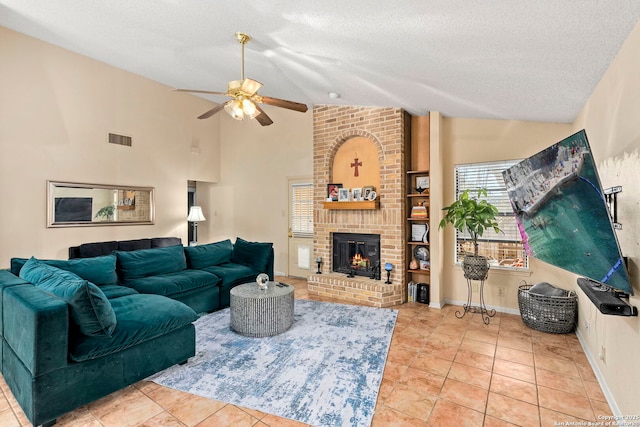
x: 72, y: 204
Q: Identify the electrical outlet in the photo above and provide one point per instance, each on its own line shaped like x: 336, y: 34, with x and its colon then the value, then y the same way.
x: 500, y: 292
x: 603, y: 354
x: 587, y: 326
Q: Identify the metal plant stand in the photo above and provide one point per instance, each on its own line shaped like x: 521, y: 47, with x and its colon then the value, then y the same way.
x: 482, y: 308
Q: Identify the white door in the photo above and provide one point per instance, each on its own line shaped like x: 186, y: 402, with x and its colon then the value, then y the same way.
x: 300, y: 228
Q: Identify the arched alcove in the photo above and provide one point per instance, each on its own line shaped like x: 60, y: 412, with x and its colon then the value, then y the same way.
x: 356, y: 164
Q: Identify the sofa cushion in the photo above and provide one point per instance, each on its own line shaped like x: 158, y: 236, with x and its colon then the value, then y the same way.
x: 232, y: 273
x: 100, y: 270
x: 134, y: 245
x: 172, y: 284
x: 87, y: 250
x: 151, y: 262
x: 252, y: 254
x: 117, y: 291
x: 210, y: 254
x: 90, y: 309
x: 161, y: 242
x: 140, y: 318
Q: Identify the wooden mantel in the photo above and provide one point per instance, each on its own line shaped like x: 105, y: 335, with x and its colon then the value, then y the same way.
x: 375, y: 204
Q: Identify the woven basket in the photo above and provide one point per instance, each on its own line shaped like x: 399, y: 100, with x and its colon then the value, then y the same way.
x: 556, y: 315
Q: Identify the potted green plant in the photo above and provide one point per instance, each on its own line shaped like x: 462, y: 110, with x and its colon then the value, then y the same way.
x: 473, y: 216
x: 106, y: 212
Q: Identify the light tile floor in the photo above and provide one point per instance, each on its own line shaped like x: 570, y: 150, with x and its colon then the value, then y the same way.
x: 441, y: 371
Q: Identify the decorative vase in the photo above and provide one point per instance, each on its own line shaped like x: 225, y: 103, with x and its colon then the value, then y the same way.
x: 475, y: 267
x: 413, y: 265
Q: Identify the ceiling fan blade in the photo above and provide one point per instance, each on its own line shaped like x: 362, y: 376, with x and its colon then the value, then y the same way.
x: 250, y: 86
x: 262, y: 118
x: 283, y: 103
x: 211, y: 112
x: 200, y: 91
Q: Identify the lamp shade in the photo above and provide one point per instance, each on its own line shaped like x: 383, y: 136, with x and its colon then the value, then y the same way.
x: 195, y: 214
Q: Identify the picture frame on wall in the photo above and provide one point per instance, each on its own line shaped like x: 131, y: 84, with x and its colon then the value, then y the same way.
x: 332, y: 192
x: 344, y: 194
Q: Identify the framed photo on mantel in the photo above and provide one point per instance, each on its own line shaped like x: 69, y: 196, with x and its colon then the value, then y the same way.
x: 332, y: 192
x: 344, y: 194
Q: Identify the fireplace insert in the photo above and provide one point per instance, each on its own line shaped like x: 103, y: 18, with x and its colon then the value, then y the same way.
x: 357, y: 254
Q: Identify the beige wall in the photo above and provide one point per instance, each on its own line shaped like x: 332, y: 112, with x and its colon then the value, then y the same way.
x: 610, y: 118
x: 469, y: 141
x: 56, y: 108
x: 250, y: 201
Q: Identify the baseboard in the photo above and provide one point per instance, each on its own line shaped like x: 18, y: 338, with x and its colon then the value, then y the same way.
x: 596, y: 370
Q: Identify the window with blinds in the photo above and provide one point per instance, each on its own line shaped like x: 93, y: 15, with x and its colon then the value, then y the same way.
x: 503, y: 249
x: 302, y: 210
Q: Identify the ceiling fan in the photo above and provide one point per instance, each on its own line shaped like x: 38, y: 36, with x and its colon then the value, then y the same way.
x: 245, y: 97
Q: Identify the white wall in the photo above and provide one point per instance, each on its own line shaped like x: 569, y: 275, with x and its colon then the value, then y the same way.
x: 56, y: 108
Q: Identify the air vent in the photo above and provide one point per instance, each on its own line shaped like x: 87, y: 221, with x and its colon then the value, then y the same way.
x: 114, y: 138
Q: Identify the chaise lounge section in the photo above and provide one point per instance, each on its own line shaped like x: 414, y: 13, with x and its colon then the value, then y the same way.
x: 76, y: 330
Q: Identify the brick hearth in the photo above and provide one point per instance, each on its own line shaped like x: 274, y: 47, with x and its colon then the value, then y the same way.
x: 387, y: 128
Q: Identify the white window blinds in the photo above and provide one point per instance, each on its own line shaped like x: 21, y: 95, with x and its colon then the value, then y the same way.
x: 302, y: 210
x: 474, y: 176
x: 503, y: 249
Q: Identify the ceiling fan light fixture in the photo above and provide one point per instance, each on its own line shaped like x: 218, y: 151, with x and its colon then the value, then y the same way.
x: 244, y: 94
x: 249, y: 108
x: 234, y: 108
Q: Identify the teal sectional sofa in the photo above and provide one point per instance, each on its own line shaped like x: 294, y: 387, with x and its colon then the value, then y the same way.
x: 76, y: 330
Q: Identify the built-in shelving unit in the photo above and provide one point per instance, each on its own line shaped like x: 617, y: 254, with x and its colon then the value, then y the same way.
x: 417, y: 171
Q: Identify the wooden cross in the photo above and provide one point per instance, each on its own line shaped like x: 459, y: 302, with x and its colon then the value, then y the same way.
x: 355, y: 165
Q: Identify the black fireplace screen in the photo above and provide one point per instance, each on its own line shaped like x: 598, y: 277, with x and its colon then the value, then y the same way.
x: 357, y: 254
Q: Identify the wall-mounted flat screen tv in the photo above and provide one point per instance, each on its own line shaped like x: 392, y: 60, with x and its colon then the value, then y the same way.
x: 562, y: 213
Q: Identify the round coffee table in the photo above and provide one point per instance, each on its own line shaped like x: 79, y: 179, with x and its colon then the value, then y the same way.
x: 261, y: 313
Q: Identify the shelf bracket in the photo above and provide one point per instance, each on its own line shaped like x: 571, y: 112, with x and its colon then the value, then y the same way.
x: 611, y: 197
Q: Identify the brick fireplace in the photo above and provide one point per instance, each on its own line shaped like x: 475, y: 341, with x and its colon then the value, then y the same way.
x: 387, y: 129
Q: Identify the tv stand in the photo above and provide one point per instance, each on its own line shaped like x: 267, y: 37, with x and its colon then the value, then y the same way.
x: 606, y: 299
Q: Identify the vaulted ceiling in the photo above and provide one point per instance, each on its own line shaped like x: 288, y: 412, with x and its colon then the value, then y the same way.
x: 506, y: 59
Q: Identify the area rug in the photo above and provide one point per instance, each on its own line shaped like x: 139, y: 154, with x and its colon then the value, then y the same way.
x: 324, y: 371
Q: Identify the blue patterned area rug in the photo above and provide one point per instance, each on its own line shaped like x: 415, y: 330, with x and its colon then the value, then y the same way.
x: 324, y: 371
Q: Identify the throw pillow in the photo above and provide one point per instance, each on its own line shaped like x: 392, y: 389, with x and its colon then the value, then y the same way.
x: 100, y: 270
x: 90, y: 309
x: 210, y: 254
x: 151, y: 262
x: 252, y: 254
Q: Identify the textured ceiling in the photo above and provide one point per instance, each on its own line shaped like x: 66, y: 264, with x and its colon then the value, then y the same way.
x: 507, y: 59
